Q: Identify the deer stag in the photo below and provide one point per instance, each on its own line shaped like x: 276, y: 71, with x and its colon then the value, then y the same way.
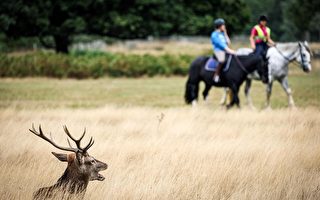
x: 81, y: 169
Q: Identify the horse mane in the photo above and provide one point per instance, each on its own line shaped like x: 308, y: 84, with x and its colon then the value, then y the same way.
x: 286, y: 46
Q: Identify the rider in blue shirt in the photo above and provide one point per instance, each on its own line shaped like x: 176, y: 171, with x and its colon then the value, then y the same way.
x: 220, y: 41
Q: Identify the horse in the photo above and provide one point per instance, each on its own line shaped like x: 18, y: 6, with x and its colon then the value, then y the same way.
x: 279, y: 58
x: 235, y: 72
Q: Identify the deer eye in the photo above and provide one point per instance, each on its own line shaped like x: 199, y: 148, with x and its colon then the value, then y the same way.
x: 90, y: 162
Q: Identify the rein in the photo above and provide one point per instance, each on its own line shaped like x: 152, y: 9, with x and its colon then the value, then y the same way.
x: 240, y: 64
x: 285, y: 57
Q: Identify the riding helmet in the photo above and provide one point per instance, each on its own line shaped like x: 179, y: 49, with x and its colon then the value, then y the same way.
x: 218, y: 22
x: 263, y: 18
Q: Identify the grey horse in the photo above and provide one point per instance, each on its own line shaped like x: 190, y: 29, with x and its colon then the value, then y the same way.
x: 279, y: 58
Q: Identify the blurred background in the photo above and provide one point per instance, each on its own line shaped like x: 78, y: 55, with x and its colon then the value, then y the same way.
x: 57, y: 24
x: 86, y: 39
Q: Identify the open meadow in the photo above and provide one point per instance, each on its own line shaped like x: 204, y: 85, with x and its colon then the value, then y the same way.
x: 159, y: 148
x: 187, y: 154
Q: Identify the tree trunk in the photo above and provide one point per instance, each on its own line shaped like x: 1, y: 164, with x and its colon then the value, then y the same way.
x: 62, y: 43
x: 307, y: 35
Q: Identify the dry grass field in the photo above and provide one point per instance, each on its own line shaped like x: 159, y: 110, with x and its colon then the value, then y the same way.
x: 188, y: 154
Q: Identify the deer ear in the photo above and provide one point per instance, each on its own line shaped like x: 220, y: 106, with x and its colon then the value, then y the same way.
x: 61, y: 157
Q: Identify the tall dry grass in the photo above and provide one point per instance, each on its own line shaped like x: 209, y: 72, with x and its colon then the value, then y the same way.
x: 189, y: 154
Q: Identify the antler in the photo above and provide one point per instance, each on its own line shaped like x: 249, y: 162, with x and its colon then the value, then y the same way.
x: 70, y: 148
x: 91, y: 142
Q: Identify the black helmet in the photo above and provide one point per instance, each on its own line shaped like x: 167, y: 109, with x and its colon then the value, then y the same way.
x: 218, y: 22
x: 263, y: 18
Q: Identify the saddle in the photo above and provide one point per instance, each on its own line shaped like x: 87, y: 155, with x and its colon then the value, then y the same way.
x: 212, y: 64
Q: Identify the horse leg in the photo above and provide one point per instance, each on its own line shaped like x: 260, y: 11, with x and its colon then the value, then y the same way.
x: 287, y: 89
x: 235, y: 98
x: 206, y: 91
x: 223, y: 100
x: 247, y: 93
x: 268, y: 90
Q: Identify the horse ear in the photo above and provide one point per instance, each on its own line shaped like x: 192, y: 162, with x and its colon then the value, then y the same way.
x: 306, y: 43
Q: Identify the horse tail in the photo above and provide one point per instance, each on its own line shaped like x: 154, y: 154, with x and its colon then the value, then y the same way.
x: 192, y: 90
x: 192, y: 85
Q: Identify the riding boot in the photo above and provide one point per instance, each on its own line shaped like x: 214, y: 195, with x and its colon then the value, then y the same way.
x: 216, y: 76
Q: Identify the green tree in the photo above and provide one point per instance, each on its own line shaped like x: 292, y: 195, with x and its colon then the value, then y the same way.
x: 273, y: 9
x: 57, y: 18
x: 61, y: 20
x: 289, y: 19
x: 304, y: 15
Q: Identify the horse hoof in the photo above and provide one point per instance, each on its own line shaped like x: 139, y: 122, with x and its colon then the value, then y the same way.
x: 292, y: 107
x: 267, y: 108
x: 194, y: 103
x: 252, y: 107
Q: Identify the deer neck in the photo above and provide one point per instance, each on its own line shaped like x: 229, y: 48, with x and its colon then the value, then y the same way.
x: 75, y: 182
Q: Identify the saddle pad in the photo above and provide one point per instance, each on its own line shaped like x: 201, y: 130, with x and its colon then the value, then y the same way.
x: 211, y: 64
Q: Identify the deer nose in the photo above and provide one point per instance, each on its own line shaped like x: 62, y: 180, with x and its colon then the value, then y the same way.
x: 103, y: 166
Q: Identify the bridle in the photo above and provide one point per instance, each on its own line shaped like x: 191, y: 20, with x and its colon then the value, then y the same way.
x: 291, y: 57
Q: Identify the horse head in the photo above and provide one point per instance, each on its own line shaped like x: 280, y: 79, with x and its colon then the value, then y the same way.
x: 304, y: 57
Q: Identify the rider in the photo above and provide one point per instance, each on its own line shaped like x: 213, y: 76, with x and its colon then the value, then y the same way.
x: 220, y: 41
x: 260, y: 39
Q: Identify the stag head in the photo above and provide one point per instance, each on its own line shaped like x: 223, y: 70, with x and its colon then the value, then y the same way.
x: 81, y: 166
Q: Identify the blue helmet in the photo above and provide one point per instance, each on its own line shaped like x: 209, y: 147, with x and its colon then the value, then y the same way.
x: 218, y: 22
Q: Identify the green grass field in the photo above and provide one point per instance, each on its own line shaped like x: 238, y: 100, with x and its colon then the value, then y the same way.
x: 33, y: 93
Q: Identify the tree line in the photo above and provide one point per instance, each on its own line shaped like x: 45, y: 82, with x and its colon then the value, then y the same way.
x: 56, y: 22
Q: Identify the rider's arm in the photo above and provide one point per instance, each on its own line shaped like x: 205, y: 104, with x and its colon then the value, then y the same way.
x: 230, y: 51
x: 217, y: 42
x: 270, y: 41
x: 227, y: 36
x: 252, y: 42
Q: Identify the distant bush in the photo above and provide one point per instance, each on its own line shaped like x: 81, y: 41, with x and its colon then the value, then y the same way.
x: 13, y: 44
x: 92, y: 65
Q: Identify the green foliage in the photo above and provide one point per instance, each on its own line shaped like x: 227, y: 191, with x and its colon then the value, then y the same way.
x: 273, y: 9
x: 122, y: 19
x: 290, y: 20
x: 305, y: 15
x: 92, y: 65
